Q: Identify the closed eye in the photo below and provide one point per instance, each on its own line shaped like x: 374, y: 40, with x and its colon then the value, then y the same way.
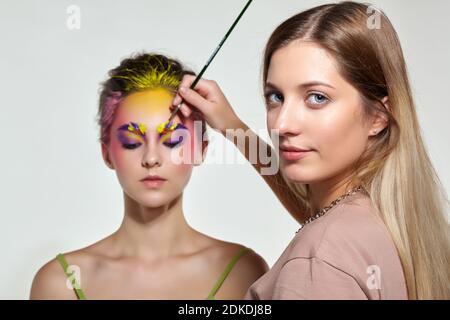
x: 128, y: 142
x: 131, y: 146
x: 173, y: 144
x: 172, y: 139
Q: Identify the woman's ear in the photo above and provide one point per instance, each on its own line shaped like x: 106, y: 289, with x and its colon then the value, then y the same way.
x: 380, y: 121
x: 106, y: 158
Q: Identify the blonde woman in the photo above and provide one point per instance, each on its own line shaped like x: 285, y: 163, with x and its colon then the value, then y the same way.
x: 354, y: 170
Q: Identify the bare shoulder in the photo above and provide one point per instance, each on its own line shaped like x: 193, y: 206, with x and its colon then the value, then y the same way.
x: 247, y: 269
x: 49, y: 283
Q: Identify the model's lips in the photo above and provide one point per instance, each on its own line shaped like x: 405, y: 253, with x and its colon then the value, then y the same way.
x: 153, y: 178
x: 292, y: 153
x: 153, y: 181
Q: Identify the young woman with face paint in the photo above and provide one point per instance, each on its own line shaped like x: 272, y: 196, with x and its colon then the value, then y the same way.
x: 354, y: 170
x: 154, y: 254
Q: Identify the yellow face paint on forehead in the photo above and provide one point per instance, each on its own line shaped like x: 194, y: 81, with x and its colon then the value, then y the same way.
x: 149, y: 102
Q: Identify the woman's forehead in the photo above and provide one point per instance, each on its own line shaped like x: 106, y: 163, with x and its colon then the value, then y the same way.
x: 154, y: 101
x: 304, y: 60
x: 302, y: 63
x: 148, y: 106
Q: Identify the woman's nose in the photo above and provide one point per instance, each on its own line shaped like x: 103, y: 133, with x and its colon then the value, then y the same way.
x: 288, y: 119
x: 151, y: 156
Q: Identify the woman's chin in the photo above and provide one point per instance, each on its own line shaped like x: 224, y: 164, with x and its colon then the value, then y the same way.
x: 294, y: 175
x: 152, y: 199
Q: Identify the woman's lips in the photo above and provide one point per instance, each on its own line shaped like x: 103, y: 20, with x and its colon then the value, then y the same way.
x: 153, y: 181
x: 292, y: 153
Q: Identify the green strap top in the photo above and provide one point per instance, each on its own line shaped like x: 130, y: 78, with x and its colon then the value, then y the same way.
x: 226, y: 272
x: 81, y: 296
x: 76, y: 287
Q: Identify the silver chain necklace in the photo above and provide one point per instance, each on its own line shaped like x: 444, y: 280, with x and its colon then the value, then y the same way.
x: 321, y: 212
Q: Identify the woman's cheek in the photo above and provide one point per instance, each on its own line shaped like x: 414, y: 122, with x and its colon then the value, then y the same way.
x: 118, y: 157
x: 330, y: 132
x: 340, y: 144
x: 183, y: 169
x: 181, y: 174
x: 270, y: 120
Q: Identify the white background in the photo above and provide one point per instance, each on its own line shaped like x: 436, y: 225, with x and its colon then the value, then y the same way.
x: 56, y: 193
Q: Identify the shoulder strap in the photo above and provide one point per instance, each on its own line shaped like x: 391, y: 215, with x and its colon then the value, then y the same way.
x: 226, y: 272
x: 65, y: 265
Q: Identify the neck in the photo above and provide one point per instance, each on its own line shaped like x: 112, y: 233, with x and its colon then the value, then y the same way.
x: 324, y: 192
x: 153, y: 233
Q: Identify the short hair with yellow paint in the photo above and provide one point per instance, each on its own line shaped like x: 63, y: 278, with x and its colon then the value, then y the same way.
x: 139, y: 72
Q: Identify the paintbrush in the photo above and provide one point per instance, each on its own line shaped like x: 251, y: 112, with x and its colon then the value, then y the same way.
x: 168, y: 126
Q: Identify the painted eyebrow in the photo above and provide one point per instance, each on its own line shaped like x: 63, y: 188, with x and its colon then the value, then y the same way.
x: 165, y: 136
x: 178, y: 125
x: 271, y: 86
x: 133, y: 127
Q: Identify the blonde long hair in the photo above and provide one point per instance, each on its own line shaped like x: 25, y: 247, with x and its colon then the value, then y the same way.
x: 395, y: 168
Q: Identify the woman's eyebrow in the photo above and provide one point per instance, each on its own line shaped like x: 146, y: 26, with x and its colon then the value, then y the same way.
x: 271, y: 86
x: 166, y: 128
x: 133, y: 127
x: 316, y: 83
x: 165, y: 134
x: 180, y: 126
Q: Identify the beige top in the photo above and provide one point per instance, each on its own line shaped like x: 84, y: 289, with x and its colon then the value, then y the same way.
x: 346, y: 254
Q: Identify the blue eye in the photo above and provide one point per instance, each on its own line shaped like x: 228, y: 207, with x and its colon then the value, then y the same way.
x: 317, y: 99
x: 131, y: 146
x: 274, y: 97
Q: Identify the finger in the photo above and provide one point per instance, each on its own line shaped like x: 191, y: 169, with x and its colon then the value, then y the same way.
x: 186, y: 110
x: 195, y: 99
x: 204, y: 86
x: 176, y: 100
x: 186, y: 81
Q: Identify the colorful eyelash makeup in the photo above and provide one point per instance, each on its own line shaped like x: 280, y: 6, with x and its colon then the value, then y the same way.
x: 132, y: 131
x: 129, y: 133
x: 165, y: 131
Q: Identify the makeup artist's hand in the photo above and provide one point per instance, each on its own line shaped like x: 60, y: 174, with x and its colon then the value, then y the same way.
x: 209, y: 99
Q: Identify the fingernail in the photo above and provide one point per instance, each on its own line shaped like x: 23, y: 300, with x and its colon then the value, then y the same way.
x: 182, y: 90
